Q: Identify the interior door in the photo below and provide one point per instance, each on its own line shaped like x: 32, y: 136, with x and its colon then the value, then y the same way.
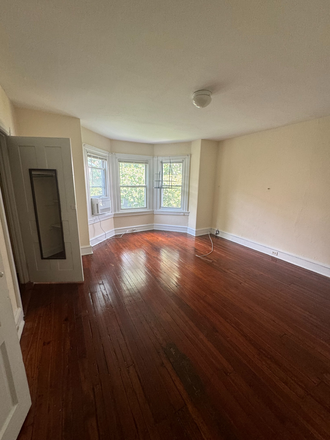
x: 43, y: 183
x: 14, y: 392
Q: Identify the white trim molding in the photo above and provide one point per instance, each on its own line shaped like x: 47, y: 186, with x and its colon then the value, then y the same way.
x: 305, y: 263
x: 118, y: 231
x: 104, y: 155
x: 12, y: 219
x: 19, y: 321
x: 170, y: 228
x: 136, y: 212
x: 116, y: 159
x: 86, y: 250
x: 158, y: 169
x: 168, y: 212
x: 199, y: 232
x: 147, y: 227
x: 133, y: 229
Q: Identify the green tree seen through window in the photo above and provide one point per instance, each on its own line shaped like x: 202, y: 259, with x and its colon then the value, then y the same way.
x: 132, y: 177
x: 97, y: 176
x: 172, y: 185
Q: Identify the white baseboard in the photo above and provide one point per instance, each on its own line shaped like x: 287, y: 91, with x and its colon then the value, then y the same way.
x: 170, y: 228
x: 202, y: 231
x: 118, y: 231
x: 104, y: 236
x: 198, y: 232
x: 19, y: 321
x: 314, y: 266
x: 133, y: 229
x: 140, y: 228
x: 86, y: 250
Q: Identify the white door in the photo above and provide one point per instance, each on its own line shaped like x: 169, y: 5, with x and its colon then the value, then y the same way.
x: 14, y: 392
x: 47, y: 215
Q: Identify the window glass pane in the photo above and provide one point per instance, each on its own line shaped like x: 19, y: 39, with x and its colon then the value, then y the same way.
x: 97, y: 182
x: 96, y: 163
x: 96, y: 177
x: 133, y: 197
x: 171, y: 197
x: 96, y: 191
x: 132, y: 173
x: 172, y: 173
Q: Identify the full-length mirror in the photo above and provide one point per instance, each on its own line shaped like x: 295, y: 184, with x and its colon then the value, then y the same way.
x: 47, y: 210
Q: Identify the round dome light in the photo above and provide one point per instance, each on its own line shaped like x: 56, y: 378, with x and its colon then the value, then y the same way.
x: 202, y: 98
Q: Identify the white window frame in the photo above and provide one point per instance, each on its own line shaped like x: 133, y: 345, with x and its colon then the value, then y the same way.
x: 158, y: 166
x: 147, y: 160
x: 104, y: 155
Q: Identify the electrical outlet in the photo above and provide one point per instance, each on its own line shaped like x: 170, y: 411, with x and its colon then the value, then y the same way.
x: 217, y: 232
x: 275, y: 253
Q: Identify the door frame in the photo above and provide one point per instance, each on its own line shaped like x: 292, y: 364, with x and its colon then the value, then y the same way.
x: 16, y: 241
x: 18, y: 313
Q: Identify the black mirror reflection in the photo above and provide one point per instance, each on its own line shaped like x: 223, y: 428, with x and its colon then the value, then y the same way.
x: 47, y: 211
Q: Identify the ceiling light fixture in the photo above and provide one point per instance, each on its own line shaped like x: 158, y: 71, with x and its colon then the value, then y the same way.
x: 202, y: 98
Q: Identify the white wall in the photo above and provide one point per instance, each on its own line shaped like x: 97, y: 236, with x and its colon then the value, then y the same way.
x: 273, y: 188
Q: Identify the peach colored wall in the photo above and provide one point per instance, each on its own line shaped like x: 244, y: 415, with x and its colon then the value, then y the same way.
x: 99, y: 228
x: 273, y: 188
x: 8, y: 121
x: 133, y: 220
x: 194, y: 182
x: 43, y: 124
x: 126, y: 147
x: 174, y: 220
x: 207, y: 178
x: 175, y: 149
x: 96, y: 140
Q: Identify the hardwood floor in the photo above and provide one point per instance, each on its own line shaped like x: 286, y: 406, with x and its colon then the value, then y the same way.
x: 159, y: 344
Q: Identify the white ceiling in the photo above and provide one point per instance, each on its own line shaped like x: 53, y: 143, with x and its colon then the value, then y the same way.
x: 128, y: 68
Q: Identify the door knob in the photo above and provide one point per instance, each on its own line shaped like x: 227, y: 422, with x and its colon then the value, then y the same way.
x: 1, y: 274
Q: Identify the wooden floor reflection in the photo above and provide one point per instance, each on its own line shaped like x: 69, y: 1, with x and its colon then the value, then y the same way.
x: 159, y: 344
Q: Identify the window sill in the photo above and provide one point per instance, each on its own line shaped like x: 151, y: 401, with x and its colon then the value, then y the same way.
x: 168, y: 212
x: 136, y: 212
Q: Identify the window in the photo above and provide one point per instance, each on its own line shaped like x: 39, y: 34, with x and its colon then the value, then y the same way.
x: 97, y: 182
x: 137, y: 184
x: 172, y: 184
x: 171, y: 196
x: 97, y: 167
x: 133, y: 185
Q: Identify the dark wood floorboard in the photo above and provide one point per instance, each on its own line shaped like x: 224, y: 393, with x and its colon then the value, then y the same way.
x: 159, y: 345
